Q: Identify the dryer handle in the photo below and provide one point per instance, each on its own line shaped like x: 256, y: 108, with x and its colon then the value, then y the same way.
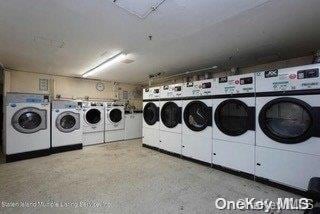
x: 316, y: 122
x: 180, y: 115
x: 210, y: 116
x: 252, y: 118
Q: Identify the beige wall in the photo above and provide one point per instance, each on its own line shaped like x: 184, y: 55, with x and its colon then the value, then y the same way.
x: 70, y: 87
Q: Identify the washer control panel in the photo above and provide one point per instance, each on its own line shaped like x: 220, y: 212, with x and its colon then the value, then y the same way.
x: 296, y: 78
x: 198, y: 88
x: 237, y: 84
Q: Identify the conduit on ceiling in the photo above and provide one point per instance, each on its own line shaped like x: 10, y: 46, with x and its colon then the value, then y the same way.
x: 142, y: 8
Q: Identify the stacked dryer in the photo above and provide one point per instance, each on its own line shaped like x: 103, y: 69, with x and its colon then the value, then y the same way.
x: 197, y: 120
x: 93, y: 123
x: 171, y: 118
x: 150, y: 129
x: 234, y: 122
x: 288, y: 130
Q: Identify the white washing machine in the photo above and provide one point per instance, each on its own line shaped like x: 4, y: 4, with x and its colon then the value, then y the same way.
x: 197, y: 120
x: 288, y: 125
x: 150, y: 128
x: 93, y: 123
x: 233, y: 111
x: 171, y: 118
x: 66, y: 126
x: 114, y: 122
x: 27, y: 127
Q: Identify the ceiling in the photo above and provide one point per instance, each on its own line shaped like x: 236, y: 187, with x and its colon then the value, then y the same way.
x: 72, y: 36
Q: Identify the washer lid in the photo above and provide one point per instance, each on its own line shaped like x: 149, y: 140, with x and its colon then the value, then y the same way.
x: 171, y: 114
x: 288, y: 120
x: 29, y: 120
x: 68, y: 121
x: 151, y: 113
x: 233, y: 117
x: 197, y: 116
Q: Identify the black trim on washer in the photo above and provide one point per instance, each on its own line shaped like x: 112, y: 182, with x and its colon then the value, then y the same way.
x: 156, y: 116
x: 150, y: 100
x: 262, y: 119
x: 316, y: 118
x: 208, y: 116
x: 67, y: 148
x: 233, y: 95
x: 27, y: 155
x: 287, y: 93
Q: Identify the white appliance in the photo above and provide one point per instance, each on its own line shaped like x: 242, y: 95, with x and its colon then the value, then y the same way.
x: 66, y: 126
x: 171, y: 118
x: 133, y: 125
x: 150, y: 129
x: 114, y: 122
x: 233, y: 111
x: 93, y: 123
x: 27, y: 126
x: 288, y: 125
x: 197, y: 120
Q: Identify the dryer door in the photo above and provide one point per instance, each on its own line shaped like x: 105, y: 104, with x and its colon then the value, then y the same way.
x: 151, y: 113
x: 197, y: 116
x: 29, y: 120
x: 233, y: 117
x: 287, y: 120
x: 68, y: 121
x: 115, y: 115
x: 170, y: 114
x: 93, y: 116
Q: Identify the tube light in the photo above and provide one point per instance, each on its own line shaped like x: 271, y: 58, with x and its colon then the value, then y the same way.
x: 116, y: 58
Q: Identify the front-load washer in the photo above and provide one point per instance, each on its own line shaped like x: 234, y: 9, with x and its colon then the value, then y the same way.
x: 288, y: 125
x: 27, y: 126
x: 197, y: 120
x: 233, y: 110
x: 93, y: 123
x: 66, y: 125
x: 171, y: 118
x: 114, y: 122
x: 150, y: 128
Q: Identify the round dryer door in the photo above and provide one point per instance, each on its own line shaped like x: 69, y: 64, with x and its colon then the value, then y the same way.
x: 197, y: 116
x: 170, y: 114
x: 68, y: 122
x: 93, y: 116
x: 115, y: 115
x: 287, y: 120
x: 29, y: 120
x: 151, y: 113
x: 233, y: 117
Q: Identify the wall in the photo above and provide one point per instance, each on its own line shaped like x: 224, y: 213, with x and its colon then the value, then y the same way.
x: 70, y: 87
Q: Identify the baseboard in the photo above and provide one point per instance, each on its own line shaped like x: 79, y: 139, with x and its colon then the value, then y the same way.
x: 234, y: 172
x: 196, y: 161
x: 27, y: 155
x: 67, y: 148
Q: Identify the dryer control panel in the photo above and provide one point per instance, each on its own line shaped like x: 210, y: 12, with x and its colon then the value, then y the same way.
x: 13, y: 97
x: 151, y: 93
x: 289, y: 79
x: 237, y: 84
x: 171, y: 91
x: 198, y: 88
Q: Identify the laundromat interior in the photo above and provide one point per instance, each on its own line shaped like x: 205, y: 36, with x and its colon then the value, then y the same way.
x: 160, y: 106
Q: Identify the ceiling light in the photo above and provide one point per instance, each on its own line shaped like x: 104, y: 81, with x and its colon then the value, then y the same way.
x: 114, y: 59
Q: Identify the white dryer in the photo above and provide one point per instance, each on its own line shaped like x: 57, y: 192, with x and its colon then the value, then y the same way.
x: 234, y: 122
x: 171, y: 118
x: 288, y: 125
x: 66, y: 126
x: 27, y: 126
x: 197, y: 120
x: 114, y: 122
x: 150, y: 129
x: 93, y: 123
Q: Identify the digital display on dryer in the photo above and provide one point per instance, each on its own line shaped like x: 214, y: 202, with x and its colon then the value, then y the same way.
x: 206, y: 85
x: 165, y: 87
x: 310, y: 73
x: 245, y: 81
x: 177, y: 88
x: 271, y: 73
x: 223, y: 79
x: 156, y: 91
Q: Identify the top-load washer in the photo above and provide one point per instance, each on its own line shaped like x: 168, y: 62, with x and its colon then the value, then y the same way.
x: 66, y: 126
x: 197, y: 120
x: 288, y: 125
x: 27, y: 126
x: 171, y: 118
x: 150, y: 129
x: 93, y: 123
x: 233, y: 111
x: 114, y: 122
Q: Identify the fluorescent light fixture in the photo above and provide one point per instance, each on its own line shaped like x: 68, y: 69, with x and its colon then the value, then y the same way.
x: 114, y: 59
